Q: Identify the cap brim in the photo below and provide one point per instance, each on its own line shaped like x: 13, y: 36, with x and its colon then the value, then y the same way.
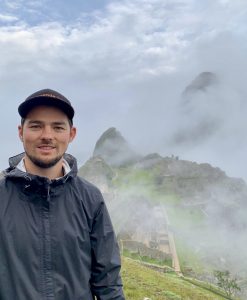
x: 25, y: 107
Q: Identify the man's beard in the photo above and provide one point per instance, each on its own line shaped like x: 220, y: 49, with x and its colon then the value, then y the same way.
x: 44, y: 164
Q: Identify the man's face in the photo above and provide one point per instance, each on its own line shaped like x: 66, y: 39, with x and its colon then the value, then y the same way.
x: 46, y: 134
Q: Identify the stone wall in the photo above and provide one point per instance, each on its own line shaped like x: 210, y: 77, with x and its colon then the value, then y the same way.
x: 143, y: 250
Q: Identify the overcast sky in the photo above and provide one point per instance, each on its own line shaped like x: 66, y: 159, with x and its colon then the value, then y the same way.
x: 126, y: 64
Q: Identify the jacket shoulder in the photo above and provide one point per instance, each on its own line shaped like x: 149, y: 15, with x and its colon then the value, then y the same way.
x: 2, y: 178
x: 88, y: 189
x: 3, y: 186
x: 1, y: 175
x: 84, y: 184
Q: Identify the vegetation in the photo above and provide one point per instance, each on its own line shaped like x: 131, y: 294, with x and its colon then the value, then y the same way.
x: 226, y: 282
x: 183, y: 193
x: 126, y: 177
x: 140, y: 282
x: 190, y: 262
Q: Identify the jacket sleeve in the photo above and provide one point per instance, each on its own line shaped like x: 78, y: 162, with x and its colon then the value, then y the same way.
x: 106, y: 283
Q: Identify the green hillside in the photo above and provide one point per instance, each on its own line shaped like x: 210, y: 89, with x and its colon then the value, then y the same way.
x: 140, y: 282
x: 193, y: 213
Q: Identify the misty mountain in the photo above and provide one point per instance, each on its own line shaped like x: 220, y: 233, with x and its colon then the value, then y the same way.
x: 201, y: 83
x: 195, y: 184
x: 198, y: 115
x: 114, y: 149
x: 206, y: 208
x: 207, y: 188
x: 96, y: 170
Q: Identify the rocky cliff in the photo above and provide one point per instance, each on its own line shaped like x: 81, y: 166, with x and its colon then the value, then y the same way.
x: 114, y: 149
x: 201, y: 83
x: 206, y: 209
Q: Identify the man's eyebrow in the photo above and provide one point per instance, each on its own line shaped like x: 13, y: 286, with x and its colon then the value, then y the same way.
x: 59, y: 123
x: 41, y: 122
x: 34, y: 121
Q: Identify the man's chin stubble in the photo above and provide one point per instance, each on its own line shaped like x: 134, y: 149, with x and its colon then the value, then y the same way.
x: 44, y: 164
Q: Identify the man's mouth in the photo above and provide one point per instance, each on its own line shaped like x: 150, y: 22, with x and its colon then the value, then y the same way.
x: 46, y: 147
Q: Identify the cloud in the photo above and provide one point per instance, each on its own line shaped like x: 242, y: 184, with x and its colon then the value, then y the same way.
x: 128, y: 40
x: 7, y: 18
x: 135, y: 37
x: 126, y: 66
x: 11, y: 4
x: 22, y: 4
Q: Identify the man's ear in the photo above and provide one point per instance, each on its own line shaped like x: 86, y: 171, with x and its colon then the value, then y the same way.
x: 72, y: 134
x: 20, y: 131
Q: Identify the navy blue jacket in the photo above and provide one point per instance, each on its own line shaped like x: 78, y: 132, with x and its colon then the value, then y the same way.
x: 56, y: 239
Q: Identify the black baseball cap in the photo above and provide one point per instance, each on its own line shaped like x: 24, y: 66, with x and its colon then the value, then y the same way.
x: 46, y: 97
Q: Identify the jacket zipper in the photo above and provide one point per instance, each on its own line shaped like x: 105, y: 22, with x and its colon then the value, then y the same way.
x: 48, y: 288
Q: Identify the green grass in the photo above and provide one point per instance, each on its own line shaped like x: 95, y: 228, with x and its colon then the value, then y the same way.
x: 189, y: 260
x: 140, y: 282
x: 184, y: 217
x: 127, y: 178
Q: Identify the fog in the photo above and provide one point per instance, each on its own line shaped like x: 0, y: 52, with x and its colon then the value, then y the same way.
x: 127, y: 65
x: 215, y: 231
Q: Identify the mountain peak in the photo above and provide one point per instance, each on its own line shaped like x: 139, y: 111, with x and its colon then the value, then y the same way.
x: 201, y: 82
x: 114, y: 149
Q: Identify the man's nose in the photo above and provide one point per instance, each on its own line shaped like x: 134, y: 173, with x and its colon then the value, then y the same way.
x: 47, y: 132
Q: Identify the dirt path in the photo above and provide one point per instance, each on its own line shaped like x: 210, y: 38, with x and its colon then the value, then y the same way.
x: 175, y: 260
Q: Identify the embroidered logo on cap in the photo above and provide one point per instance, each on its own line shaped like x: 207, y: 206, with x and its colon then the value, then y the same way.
x: 49, y: 95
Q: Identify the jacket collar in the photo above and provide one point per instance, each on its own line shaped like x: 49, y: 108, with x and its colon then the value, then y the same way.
x: 14, y: 172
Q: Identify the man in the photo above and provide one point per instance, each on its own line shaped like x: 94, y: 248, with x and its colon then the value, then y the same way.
x: 56, y: 237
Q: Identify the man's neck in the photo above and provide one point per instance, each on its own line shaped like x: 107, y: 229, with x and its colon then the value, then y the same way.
x: 51, y: 173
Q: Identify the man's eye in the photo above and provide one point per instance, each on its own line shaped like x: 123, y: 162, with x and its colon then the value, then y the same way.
x: 59, y: 128
x: 35, y: 126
